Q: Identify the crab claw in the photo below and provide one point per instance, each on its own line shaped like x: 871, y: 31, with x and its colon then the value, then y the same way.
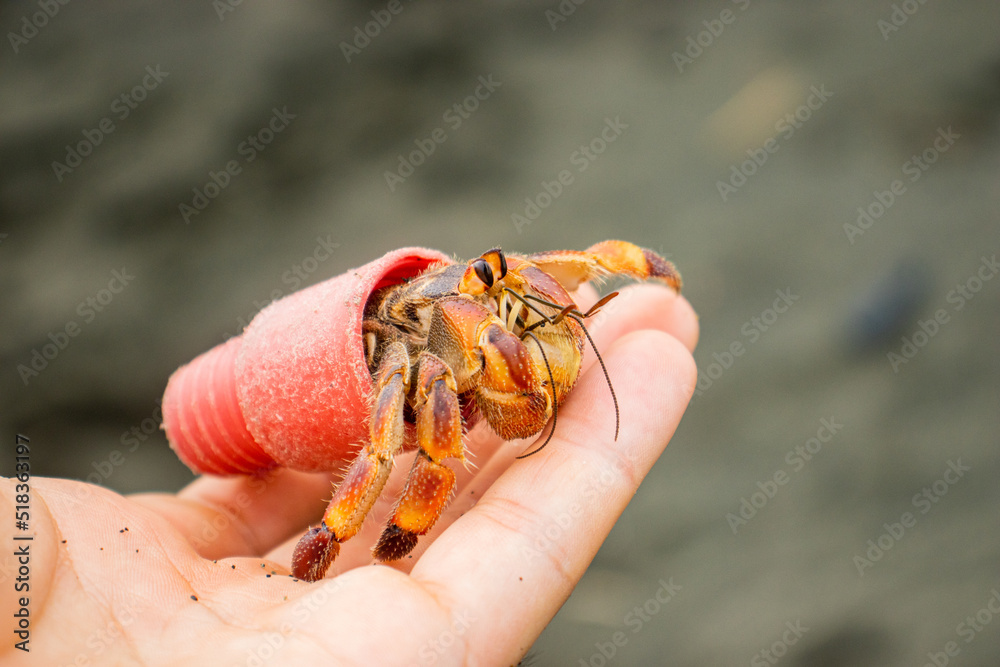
x: 293, y: 389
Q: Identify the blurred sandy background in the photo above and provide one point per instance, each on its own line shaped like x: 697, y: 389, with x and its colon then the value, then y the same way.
x: 695, y: 90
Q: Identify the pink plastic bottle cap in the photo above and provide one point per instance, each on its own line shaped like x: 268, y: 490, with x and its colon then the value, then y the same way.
x: 294, y: 389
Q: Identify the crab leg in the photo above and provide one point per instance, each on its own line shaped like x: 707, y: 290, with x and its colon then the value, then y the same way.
x: 367, y: 475
x: 572, y: 267
x: 430, y: 483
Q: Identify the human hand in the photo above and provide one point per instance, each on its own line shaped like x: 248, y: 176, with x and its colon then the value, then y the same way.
x: 200, y: 577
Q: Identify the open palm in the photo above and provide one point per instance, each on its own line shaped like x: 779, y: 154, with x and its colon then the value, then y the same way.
x: 201, y: 577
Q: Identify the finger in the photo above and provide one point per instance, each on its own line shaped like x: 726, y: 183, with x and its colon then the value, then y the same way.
x: 516, y: 555
x: 645, y: 306
x: 243, y: 516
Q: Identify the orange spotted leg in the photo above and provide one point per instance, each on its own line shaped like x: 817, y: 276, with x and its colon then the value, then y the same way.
x: 367, y: 475
x: 430, y: 483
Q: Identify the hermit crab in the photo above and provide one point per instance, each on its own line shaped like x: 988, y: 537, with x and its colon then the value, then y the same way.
x: 408, y: 351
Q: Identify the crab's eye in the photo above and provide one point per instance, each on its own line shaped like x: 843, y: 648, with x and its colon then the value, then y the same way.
x: 483, y: 271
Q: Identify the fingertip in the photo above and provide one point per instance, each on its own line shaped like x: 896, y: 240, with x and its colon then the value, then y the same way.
x: 687, y: 327
x: 654, y: 374
x: 646, y: 306
x: 657, y: 361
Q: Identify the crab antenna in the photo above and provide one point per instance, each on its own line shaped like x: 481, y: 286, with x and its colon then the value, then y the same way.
x: 569, y: 311
x: 606, y: 376
x: 555, y: 403
x: 597, y: 306
x: 545, y: 318
x: 565, y: 310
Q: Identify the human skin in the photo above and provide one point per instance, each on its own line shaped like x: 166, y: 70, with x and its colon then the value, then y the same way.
x: 187, y: 582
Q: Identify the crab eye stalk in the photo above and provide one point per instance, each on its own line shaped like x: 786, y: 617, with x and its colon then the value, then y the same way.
x: 484, y: 272
x: 478, y: 278
x: 497, y: 262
